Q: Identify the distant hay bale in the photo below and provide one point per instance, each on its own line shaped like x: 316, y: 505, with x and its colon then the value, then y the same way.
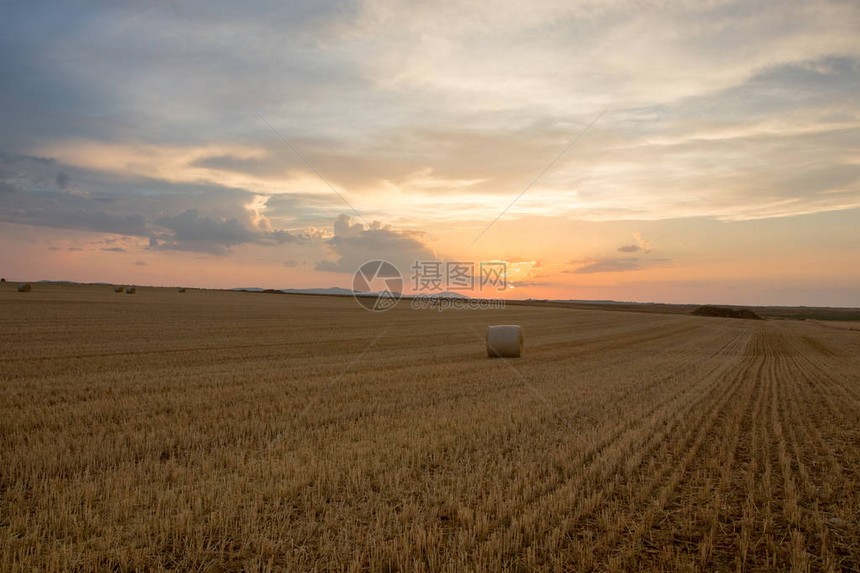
x: 24, y: 287
x: 2, y: 280
x: 504, y: 341
x: 181, y: 289
x: 118, y: 289
x: 130, y: 290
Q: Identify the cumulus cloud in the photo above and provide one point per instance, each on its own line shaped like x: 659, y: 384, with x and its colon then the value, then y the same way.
x: 65, y: 211
x: 192, y: 227
x: 33, y: 198
x: 354, y: 244
x: 277, y: 237
x: 193, y: 231
x: 37, y: 193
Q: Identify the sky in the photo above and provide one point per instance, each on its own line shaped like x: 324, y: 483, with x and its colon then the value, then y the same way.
x: 689, y: 152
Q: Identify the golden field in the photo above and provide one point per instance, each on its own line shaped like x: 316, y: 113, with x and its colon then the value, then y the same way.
x: 226, y: 431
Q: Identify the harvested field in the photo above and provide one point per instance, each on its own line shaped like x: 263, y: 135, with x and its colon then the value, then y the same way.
x: 236, y: 431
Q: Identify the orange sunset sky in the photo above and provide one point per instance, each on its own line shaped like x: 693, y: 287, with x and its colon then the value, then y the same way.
x: 157, y: 143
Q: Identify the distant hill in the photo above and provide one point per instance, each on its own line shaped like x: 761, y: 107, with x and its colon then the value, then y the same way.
x: 724, y: 312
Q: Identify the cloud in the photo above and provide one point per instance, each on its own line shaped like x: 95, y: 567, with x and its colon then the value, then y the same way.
x: 615, y: 265
x: 644, y: 246
x: 66, y: 211
x: 195, y: 232
x: 609, y: 266
x: 277, y: 237
x: 129, y: 207
x: 527, y: 284
x: 650, y: 158
x: 354, y: 245
x: 32, y: 198
x: 640, y: 245
x: 192, y: 227
x: 423, y: 119
x: 114, y: 249
x: 291, y: 264
x: 140, y: 263
x: 63, y: 181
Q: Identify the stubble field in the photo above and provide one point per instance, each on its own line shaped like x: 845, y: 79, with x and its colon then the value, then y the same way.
x: 216, y: 431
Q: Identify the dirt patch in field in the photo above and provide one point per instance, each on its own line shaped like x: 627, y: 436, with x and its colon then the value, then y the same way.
x: 724, y: 312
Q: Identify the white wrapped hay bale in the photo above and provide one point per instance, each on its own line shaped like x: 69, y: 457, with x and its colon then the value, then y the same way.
x: 504, y: 341
x: 24, y: 287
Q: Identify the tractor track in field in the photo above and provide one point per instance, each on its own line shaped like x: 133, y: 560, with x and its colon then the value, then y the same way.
x: 593, y: 466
